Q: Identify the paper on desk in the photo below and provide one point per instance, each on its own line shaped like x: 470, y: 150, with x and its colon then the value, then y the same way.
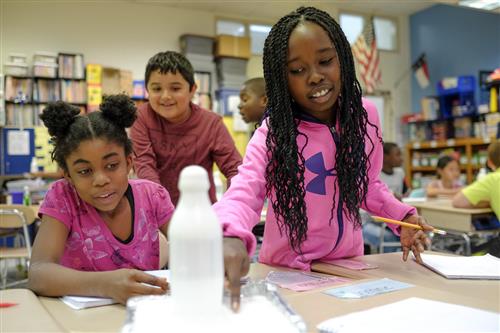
x: 301, y: 281
x: 367, y: 289
x: 350, y: 264
x: 432, y: 316
x: 83, y: 302
x: 486, y: 267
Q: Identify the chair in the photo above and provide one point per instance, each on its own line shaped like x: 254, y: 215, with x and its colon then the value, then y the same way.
x: 13, y: 219
x: 383, y: 243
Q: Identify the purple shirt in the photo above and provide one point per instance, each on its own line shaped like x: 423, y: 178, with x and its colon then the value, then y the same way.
x: 91, y: 246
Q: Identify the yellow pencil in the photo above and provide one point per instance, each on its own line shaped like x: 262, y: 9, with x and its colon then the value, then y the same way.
x: 405, y: 224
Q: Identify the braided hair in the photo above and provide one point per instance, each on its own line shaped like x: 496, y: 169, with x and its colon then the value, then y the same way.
x: 68, y: 128
x: 285, y: 169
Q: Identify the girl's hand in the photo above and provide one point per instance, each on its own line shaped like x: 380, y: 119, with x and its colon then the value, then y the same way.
x: 125, y: 283
x: 414, y: 239
x: 236, y: 265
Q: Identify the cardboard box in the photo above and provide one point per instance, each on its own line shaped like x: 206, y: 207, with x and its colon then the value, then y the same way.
x: 232, y: 46
x: 116, y: 81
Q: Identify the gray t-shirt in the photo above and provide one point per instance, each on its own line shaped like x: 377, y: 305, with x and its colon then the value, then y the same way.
x: 394, y: 181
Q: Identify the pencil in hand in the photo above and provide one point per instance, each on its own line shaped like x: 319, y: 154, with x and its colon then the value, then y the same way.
x: 405, y: 224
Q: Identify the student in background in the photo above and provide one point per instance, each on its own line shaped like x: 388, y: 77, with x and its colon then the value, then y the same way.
x: 393, y: 176
x: 317, y: 156
x: 486, y: 191
x: 171, y: 132
x: 253, y: 100
x: 448, y: 178
x: 99, y: 229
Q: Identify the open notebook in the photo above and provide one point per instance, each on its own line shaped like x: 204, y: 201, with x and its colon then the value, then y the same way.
x: 486, y: 267
x: 83, y: 302
x: 414, y: 315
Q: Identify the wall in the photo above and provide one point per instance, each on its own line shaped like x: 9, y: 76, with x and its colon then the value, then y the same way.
x: 126, y: 34
x: 456, y: 41
x: 123, y: 35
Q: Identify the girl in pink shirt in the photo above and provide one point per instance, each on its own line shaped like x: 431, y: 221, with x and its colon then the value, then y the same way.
x: 448, y: 178
x: 316, y: 157
x: 99, y: 229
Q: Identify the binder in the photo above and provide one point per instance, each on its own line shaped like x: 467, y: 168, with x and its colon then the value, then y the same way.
x: 13, y: 162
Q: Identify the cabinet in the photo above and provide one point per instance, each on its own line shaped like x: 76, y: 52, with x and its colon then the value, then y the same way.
x: 421, y: 158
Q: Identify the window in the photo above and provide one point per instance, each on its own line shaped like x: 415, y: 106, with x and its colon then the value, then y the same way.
x: 258, y: 35
x: 385, y: 29
x: 257, y: 32
x: 352, y: 25
x: 230, y: 28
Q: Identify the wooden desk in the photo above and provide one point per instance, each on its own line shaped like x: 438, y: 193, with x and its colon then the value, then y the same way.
x: 313, y: 306
x: 29, y: 315
x: 456, y: 221
x: 441, y: 214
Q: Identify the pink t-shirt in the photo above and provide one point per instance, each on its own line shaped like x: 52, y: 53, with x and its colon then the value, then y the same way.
x: 91, y: 246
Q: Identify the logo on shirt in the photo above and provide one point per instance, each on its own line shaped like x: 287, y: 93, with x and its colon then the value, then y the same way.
x: 316, y: 164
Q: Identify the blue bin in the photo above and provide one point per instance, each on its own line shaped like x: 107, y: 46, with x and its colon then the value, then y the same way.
x: 461, y: 96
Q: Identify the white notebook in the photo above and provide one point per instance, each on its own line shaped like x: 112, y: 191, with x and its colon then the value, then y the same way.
x: 413, y: 315
x: 83, y: 302
x: 486, y: 267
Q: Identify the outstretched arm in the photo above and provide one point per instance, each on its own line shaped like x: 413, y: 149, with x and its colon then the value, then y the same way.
x: 47, y: 277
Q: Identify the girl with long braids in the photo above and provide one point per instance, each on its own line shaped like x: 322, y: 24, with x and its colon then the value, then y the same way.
x: 316, y: 157
x: 99, y: 229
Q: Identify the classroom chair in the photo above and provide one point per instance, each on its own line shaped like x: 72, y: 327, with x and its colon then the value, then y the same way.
x: 386, y: 244
x: 14, y: 220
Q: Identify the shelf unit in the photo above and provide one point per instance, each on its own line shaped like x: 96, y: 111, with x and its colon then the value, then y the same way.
x: 421, y: 157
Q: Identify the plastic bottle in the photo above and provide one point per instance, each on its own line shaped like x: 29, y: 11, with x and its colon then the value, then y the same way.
x: 33, y: 165
x: 26, y: 196
x: 196, y: 258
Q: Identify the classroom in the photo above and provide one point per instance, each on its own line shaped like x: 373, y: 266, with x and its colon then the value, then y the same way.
x: 250, y: 166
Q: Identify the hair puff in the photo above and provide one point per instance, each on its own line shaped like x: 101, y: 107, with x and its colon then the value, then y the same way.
x: 58, y: 116
x: 119, y: 109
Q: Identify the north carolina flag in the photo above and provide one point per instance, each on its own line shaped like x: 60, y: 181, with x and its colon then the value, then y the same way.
x: 421, y: 71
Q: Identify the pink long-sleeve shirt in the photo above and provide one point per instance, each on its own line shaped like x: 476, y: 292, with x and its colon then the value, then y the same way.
x: 240, y: 208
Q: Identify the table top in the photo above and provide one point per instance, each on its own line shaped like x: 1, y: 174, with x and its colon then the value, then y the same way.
x: 445, y: 205
x: 313, y: 305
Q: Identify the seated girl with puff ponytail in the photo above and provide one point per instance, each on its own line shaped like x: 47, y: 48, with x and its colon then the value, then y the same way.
x: 99, y: 229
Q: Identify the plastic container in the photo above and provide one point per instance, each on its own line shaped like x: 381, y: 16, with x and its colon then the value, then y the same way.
x: 26, y: 196
x: 45, y: 57
x: 196, y: 259
x: 41, y: 69
x: 15, y: 69
x: 18, y: 58
x: 17, y: 197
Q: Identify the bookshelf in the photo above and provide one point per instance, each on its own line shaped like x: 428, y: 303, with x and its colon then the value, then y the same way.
x: 26, y: 96
x: 421, y: 157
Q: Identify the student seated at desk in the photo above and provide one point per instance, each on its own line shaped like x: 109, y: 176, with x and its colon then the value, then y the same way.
x: 317, y: 157
x: 484, y: 192
x: 99, y: 229
x: 448, y: 178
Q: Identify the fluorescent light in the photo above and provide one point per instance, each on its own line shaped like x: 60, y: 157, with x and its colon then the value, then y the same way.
x: 481, y: 4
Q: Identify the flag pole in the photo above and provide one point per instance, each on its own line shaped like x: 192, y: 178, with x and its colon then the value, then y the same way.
x: 398, y: 81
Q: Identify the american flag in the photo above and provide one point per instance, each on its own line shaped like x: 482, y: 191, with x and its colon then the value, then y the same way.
x: 365, y: 52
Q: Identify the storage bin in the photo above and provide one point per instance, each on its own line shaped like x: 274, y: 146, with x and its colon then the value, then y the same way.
x: 197, y: 44
x: 15, y: 69
x: 17, y: 58
x: 232, y: 46
x: 41, y: 69
x: 45, y: 57
x: 456, y: 96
